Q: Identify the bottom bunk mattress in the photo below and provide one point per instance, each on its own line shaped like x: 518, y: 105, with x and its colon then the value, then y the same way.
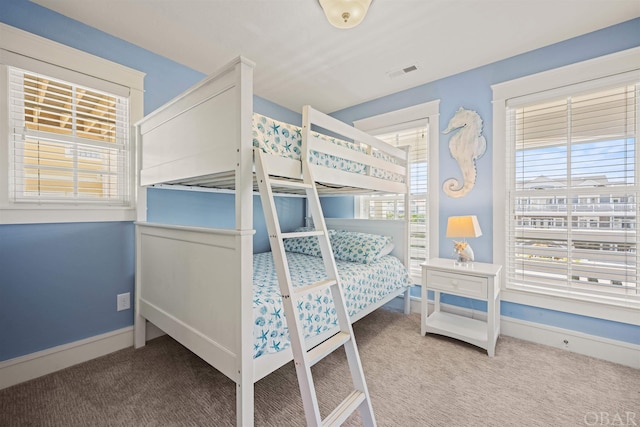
x: 362, y: 285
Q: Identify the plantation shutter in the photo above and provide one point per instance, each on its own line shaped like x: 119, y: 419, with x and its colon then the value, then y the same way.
x: 392, y: 206
x: 573, y: 199
x: 68, y: 143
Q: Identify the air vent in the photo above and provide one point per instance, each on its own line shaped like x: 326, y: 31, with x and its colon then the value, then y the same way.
x: 401, y: 72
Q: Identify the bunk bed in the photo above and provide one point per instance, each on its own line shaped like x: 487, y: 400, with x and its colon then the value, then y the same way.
x: 197, y: 284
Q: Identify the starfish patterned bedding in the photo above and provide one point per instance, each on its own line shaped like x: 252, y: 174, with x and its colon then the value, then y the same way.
x: 285, y: 140
x: 363, y: 284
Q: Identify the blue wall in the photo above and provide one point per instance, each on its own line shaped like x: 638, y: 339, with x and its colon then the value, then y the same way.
x: 472, y: 90
x: 58, y: 282
x: 217, y: 210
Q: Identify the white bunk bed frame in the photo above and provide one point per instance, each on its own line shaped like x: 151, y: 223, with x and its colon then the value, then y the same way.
x: 175, y: 264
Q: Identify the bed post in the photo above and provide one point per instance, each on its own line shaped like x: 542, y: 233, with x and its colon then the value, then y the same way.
x: 245, y: 384
x: 407, y: 228
x: 244, y: 221
x: 139, y: 322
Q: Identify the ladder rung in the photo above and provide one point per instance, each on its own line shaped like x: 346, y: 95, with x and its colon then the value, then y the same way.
x: 290, y: 184
x: 346, y: 408
x: 295, y: 234
x: 318, y: 286
x: 327, y: 347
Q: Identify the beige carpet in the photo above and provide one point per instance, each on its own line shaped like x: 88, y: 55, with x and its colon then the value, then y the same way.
x: 413, y: 381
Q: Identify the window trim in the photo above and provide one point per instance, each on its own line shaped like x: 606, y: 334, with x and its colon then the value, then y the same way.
x: 428, y: 111
x: 17, y: 48
x: 615, y: 67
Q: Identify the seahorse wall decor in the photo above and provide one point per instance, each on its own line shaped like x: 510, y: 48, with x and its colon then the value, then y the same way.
x: 466, y: 146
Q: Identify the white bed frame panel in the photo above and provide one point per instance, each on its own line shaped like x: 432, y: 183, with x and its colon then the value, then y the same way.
x: 195, y: 283
x: 173, y: 147
x: 188, y: 286
x: 187, y: 292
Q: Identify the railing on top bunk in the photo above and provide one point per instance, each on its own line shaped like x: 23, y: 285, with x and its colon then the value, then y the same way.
x: 203, y: 137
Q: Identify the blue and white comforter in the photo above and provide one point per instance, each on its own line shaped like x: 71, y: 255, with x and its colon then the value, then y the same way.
x: 363, y: 285
x: 285, y: 140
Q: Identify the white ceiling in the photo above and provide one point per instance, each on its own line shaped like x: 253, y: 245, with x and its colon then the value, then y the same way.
x: 301, y: 59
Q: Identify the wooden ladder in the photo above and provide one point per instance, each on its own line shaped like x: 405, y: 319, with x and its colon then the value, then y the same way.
x: 305, y: 358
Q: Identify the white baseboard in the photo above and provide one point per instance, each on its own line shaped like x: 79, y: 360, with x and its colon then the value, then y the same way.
x: 607, y: 349
x: 30, y: 366
x: 34, y: 365
x: 589, y: 345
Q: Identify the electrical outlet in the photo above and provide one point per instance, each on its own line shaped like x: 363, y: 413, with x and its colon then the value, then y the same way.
x: 124, y: 301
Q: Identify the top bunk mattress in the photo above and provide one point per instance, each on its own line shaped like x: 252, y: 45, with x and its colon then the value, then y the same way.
x: 285, y: 140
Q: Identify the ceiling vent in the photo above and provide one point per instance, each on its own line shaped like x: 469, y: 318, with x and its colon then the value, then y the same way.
x: 401, y: 72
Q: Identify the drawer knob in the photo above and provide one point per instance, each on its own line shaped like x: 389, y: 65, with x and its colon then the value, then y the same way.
x: 454, y: 282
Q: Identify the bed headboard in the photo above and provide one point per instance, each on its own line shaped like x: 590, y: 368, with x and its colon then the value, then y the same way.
x: 397, y: 229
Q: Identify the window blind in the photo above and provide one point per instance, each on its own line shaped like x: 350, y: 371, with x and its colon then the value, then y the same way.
x: 392, y: 206
x: 68, y: 143
x: 573, y: 199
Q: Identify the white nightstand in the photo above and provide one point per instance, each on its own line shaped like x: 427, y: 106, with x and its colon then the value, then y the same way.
x: 475, y: 280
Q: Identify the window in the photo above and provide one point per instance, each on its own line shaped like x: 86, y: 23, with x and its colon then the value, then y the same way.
x: 572, y: 159
x: 579, y: 147
x: 414, y: 127
x: 68, y: 145
x: 392, y: 206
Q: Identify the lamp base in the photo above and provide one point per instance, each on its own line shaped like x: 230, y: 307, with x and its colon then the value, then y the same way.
x: 464, y: 251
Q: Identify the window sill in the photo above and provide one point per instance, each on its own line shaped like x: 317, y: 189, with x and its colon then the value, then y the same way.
x: 614, y: 309
x: 40, y: 215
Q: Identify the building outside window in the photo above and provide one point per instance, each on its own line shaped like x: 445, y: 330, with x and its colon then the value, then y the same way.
x: 584, y: 147
x: 573, y: 168
x: 68, y: 145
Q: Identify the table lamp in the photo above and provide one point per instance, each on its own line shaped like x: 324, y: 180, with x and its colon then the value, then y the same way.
x: 463, y: 226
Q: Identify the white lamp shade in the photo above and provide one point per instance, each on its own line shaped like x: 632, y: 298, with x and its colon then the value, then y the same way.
x: 463, y: 226
x: 345, y: 13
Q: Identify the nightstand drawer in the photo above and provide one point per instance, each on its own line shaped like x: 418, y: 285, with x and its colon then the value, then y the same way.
x: 459, y: 284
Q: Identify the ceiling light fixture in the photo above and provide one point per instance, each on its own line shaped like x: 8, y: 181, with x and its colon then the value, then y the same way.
x: 345, y: 13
